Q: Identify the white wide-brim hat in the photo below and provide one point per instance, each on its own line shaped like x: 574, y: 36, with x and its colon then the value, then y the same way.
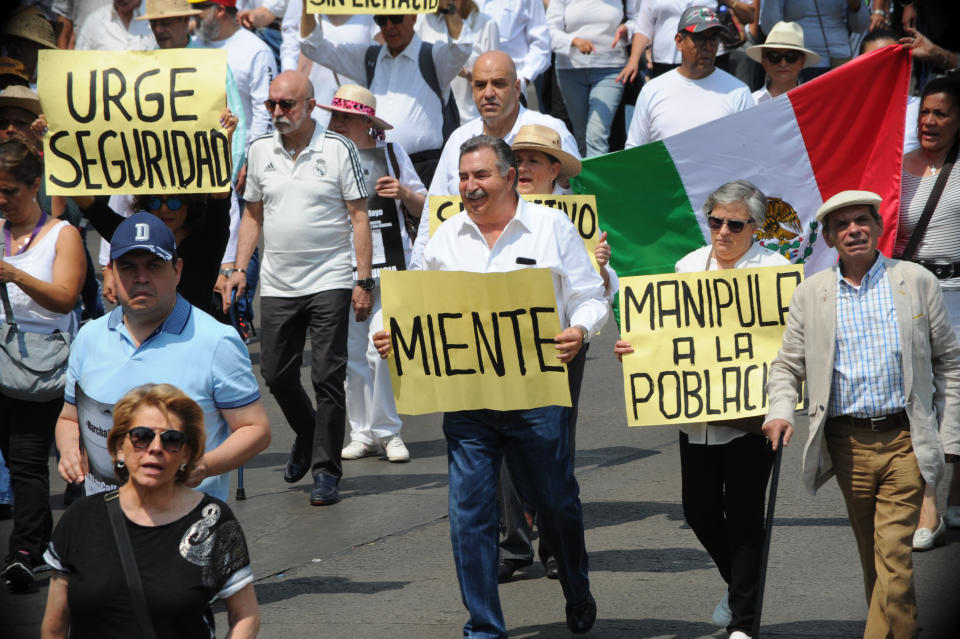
x: 539, y: 137
x: 159, y: 9
x: 353, y: 98
x: 784, y: 35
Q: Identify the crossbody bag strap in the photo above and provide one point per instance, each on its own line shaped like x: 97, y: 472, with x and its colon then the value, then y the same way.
x: 129, y: 563
x: 396, y: 170
x: 931, y: 204
x: 5, y: 298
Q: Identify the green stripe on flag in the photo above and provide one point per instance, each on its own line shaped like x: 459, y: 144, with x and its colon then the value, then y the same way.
x: 643, y: 207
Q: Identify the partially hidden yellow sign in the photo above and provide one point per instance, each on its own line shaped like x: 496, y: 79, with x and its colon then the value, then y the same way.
x: 490, y: 349
x: 703, y: 342
x: 134, y: 121
x: 580, y: 209
x: 382, y: 7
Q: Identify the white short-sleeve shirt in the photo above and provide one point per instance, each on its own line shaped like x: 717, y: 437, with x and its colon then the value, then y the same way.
x: 306, y: 224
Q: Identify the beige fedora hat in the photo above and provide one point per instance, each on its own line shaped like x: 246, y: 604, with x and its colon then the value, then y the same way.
x: 352, y: 98
x: 843, y: 199
x: 784, y: 35
x: 538, y: 137
x: 158, y: 9
x: 29, y: 23
x: 22, y: 97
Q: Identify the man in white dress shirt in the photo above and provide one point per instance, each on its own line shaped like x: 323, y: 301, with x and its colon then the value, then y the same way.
x: 500, y: 232
x: 404, y: 96
x: 524, y: 35
x: 496, y: 93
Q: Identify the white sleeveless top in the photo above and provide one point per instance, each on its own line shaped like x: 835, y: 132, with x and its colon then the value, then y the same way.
x: 38, y: 262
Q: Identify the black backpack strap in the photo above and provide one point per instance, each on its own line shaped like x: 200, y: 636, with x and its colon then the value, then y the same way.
x: 428, y: 69
x: 370, y: 62
x: 129, y: 563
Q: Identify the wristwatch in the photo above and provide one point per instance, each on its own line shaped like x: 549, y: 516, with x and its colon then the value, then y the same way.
x: 450, y: 10
x: 227, y: 272
x: 367, y: 284
x: 585, y: 337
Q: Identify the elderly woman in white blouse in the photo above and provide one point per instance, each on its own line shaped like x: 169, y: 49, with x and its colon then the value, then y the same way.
x: 725, y: 465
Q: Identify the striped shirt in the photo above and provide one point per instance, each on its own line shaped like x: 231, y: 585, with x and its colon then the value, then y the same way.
x: 941, y: 241
x: 867, y: 370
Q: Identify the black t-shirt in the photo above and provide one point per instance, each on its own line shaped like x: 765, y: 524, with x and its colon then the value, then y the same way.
x: 183, y: 565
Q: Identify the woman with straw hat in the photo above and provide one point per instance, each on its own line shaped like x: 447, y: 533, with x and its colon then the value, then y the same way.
x: 395, y: 192
x: 782, y: 57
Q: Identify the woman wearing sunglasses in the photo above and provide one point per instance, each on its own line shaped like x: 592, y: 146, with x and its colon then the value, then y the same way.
x: 782, y: 57
x: 725, y: 466
x: 201, y: 226
x: 187, y: 546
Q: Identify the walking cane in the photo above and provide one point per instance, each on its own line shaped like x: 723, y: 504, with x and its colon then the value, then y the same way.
x: 767, y: 533
x: 241, y: 493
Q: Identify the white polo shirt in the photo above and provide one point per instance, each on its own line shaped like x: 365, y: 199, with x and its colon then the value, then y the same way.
x: 306, y: 225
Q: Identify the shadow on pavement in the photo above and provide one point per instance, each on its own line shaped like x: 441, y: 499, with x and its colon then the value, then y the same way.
x: 611, y: 456
x: 277, y: 589
x: 650, y: 560
x: 597, y: 514
x: 618, y: 628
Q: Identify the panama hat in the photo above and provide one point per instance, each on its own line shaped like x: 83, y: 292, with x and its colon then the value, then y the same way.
x: 784, y: 35
x: 843, y: 199
x: 538, y: 137
x: 22, y: 97
x: 29, y: 23
x: 159, y: 9
x: 352, y: 98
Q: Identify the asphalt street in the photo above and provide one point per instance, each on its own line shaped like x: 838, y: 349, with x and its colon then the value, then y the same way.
x: 379, y: 564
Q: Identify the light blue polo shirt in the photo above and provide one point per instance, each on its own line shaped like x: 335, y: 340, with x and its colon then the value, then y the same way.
x: 191, y: 350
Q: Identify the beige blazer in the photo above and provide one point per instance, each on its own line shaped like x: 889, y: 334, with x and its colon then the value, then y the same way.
x: 930, y: 357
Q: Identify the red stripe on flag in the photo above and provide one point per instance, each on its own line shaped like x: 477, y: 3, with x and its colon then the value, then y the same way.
x: 858, y: 143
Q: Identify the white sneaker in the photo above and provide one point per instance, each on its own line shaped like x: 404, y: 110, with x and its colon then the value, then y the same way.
x: 952, y: 517
x: 721, y: 614
x: 358, y: 450
x: 926, y: 539
x: 739, y: 634
x: 396, y: 451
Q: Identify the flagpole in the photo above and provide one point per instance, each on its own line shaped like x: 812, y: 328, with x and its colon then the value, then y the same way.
x: 767, y: 534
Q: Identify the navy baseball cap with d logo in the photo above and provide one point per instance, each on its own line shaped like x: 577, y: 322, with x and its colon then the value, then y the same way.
x: 146, y: 232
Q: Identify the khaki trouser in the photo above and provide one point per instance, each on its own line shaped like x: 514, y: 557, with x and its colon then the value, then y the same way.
x: 882, y: 486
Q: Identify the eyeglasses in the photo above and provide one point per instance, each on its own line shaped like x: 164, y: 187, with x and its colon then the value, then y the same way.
x: 381, y: 21
x: 699, y: 39
x: 173, y: 203
x: 171, y: 440
x: 774, y: 57
x: 285, y: 105
x: 735, y: 226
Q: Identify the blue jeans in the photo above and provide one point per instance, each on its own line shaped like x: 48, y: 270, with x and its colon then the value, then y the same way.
x: 535, y: 446
x: 6, y: 492
x: 592, y: 97
x: 244, y: 303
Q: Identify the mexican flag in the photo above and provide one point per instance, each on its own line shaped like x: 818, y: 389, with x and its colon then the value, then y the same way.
x: 843, y: 130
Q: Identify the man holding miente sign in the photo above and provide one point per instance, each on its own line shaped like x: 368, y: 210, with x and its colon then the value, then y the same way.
x: 724, y: 463
x: 501, y: 235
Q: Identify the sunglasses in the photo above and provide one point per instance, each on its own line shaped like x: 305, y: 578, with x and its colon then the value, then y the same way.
x: 171, y: 440
x: 21, y: 125
x: 700, y: 39
x: 285, y: 105
x: 381, y: 21
x: 774, y: 57
x: 173, y: 203
x: 735, y: 226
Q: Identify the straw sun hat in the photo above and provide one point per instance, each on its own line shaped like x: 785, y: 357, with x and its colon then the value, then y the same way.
x: 29, y: 23
x: 537, y: 137
x: 159, y: 9
x: 784, y: 35
x: 351, y: 98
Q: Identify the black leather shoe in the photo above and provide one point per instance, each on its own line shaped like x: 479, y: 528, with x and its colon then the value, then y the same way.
x: 551, y: 569
x: 581, y: 616
x: 324, y: 491
x: 298, y: 464
x: 506, y: 568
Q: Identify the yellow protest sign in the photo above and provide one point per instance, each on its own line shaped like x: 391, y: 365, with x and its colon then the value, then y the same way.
x: 381, y: 7
x: 134, y: 121
x: 491, y: 349
x: 703, y: 342
x: 581, y: 209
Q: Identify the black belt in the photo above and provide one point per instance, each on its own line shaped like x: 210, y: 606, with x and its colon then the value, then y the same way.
x: 941, y: 268
x: 894, y: 421
x: 276, y: 25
